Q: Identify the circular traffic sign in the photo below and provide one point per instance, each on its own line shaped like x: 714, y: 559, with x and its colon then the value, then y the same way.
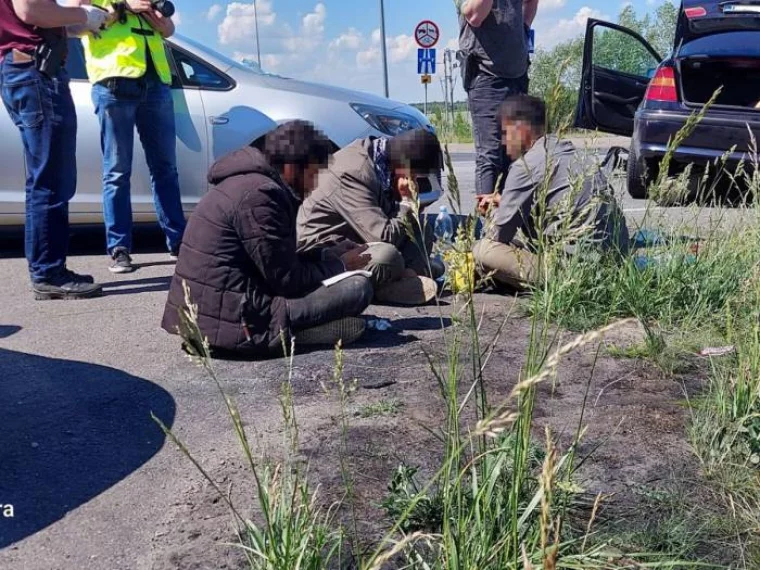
x: 426, y: 34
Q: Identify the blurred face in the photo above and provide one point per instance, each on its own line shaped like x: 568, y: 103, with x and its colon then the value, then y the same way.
x: 517, y: 137
x: 311, y: 174
x: 401, y: 182
x: 302, y: 180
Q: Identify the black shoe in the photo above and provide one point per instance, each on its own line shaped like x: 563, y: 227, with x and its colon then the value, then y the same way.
x: 66, y: 287
x: 122, y: 263
x: 437, y: 268
x: 174, y: 254
x: 79, y: 278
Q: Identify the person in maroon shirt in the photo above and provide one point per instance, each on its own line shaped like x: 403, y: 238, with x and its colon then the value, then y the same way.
x: 40, y: 105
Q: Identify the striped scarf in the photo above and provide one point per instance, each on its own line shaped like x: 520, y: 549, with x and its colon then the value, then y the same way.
x: 380, y: 161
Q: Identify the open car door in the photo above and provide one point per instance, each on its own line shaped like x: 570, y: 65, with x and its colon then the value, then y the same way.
x: 617, y: 66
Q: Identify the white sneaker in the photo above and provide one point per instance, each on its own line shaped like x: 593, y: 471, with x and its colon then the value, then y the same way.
x: 122, y: 262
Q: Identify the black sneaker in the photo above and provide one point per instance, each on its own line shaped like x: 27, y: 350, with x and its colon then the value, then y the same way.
x: 67, y: 288
x: 79, y: 278
x: 122, y: 263
x: 174, y: 254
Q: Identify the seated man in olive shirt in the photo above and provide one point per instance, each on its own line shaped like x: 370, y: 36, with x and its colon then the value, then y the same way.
x: 366, y: 196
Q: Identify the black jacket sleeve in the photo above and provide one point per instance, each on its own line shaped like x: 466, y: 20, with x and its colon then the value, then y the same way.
x: 265, y: 222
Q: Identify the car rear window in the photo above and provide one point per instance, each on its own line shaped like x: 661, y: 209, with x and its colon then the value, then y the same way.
x: 728, y: 44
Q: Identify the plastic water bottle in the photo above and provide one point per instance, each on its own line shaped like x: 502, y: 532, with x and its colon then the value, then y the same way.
x: 444, y: 227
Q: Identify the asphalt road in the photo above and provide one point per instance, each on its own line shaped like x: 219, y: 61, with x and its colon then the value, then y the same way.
x: 92, y: 483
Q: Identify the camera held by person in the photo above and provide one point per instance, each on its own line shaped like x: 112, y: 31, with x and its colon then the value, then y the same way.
x: 164, y: 7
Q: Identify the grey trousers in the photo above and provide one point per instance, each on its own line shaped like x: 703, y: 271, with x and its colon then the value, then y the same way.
x: 388, y: 264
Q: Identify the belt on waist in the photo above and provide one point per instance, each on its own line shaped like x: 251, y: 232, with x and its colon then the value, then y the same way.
x: 18, y: 56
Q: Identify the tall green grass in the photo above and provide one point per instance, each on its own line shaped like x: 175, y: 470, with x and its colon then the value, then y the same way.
x: 501, y: 498
x: 701, y: 283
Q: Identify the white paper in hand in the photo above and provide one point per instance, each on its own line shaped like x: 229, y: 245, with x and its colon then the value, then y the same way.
x: 340, y: 277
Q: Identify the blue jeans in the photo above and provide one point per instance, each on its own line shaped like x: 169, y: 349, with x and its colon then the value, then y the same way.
x: 485, y: 97
x: 146, y: 103
x: 44, y: 113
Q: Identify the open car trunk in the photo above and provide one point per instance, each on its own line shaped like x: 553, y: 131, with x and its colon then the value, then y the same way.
x: 737, y: 78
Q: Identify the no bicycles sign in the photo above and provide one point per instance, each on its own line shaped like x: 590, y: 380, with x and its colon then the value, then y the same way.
x: 427, y: 34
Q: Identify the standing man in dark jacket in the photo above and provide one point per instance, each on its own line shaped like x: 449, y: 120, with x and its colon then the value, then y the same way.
x: 239, y: 258
x: 493, y: 54
x: 38, y: 100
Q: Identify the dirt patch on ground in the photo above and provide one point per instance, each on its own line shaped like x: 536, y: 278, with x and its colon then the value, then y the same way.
x: 634, y: 417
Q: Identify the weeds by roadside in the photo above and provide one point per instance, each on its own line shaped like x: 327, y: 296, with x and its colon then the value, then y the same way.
x: 381, y: 408
x: 501, y: 499
x: 697, y: 285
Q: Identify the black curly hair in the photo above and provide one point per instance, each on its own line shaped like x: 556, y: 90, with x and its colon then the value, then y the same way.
x: 296, y: 142
x: 525, y: 109
x: 418, y: 149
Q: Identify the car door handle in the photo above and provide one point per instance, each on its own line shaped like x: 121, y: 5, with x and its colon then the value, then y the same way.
x: 609, y: 97
x: 219, y: 120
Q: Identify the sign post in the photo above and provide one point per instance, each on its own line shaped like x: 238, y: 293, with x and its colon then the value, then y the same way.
x: 426, y: 34
x: 426, y: 80
x: 383, y: 49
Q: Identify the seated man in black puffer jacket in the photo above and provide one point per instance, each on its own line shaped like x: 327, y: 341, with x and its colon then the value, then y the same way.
x: 239, y: 260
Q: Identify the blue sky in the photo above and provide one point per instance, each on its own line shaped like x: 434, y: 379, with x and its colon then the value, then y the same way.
x: 337, y: 41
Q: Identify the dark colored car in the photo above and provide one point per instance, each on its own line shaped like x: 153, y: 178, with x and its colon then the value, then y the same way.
x: 628, y: 89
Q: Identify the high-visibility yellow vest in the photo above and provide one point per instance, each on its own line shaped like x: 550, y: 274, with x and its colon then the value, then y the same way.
x: 122, y: 49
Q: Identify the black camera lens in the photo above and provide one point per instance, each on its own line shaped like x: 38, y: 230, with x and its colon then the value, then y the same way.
x: 166, y: 7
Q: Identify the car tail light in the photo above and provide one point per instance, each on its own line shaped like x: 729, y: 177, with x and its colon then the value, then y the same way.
x: 663, y: 86
x: 698, y: 12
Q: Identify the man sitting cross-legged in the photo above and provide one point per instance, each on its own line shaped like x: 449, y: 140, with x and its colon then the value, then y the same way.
x: 547, y: 180
x: 366, y: 197
x: 239, y: 259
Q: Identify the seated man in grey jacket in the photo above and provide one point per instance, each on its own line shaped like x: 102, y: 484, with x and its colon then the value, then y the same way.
x: 366, y: 196
x: 550, y: 193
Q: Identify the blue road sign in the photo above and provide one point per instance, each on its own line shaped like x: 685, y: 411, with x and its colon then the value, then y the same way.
x: 426, y: 61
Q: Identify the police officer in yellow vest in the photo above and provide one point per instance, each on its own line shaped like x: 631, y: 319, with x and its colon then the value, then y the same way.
x: 131, y: 88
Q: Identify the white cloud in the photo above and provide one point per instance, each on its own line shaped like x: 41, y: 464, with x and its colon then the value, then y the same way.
x: 311, y: 34
x: 238, y: 31
x: 213, y: 12
x: 314, y: 23
x: 271, y: 61
x: 238, y: 26
x: 350, y: 40
x: 368, y: 58
x: 546, y: 5
x: 549, y: 33
x: 303, y: 50
x: 401, y: 48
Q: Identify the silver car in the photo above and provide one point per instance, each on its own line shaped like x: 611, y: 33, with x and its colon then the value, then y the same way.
x: 220, y: 105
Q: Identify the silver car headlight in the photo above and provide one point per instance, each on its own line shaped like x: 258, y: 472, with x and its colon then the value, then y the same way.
x: 388, y: 122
